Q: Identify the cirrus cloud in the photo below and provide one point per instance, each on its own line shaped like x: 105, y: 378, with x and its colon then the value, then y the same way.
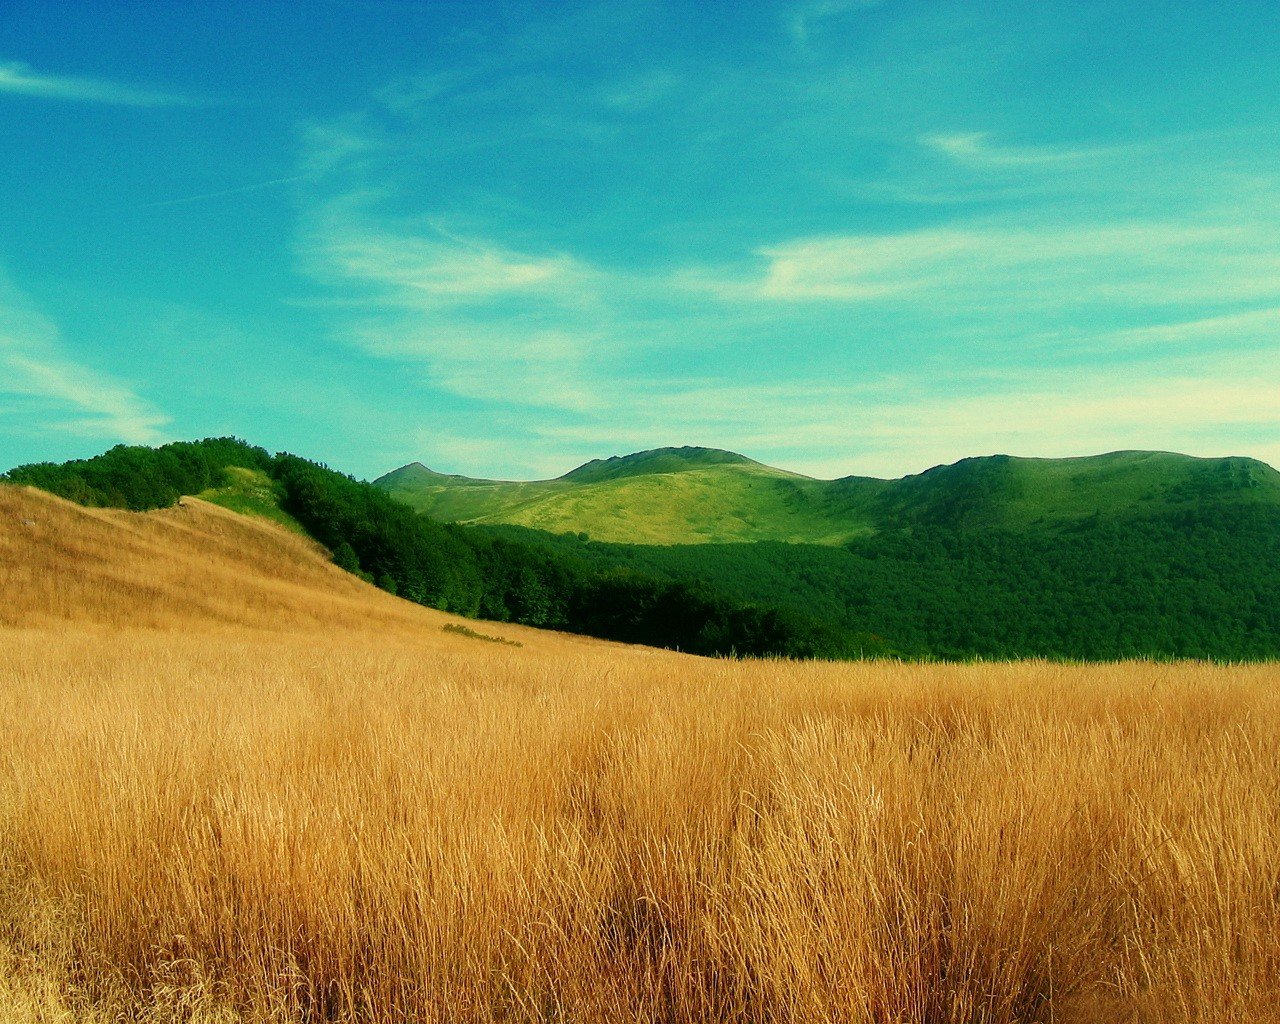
x: 21, y: 79
x: 56, y: 392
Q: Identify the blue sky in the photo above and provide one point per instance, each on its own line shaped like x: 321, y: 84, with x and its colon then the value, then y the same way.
x: 840, y: 236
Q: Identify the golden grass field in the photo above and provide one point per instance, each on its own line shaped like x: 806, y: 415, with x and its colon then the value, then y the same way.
x: 239, y: 785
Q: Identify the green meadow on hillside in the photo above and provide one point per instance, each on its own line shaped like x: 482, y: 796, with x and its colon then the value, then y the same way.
x: 251, y: 492
x: 700, y: 495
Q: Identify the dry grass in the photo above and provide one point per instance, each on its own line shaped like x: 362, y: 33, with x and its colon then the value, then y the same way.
x: 357, y: 815
x: 194, y: 568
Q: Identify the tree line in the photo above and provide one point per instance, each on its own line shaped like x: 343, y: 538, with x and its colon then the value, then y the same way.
x: 1189, y: 583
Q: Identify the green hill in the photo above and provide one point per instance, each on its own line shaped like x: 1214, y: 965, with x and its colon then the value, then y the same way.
x: 251, y: 492
x: 666, y: 496
x: 701, y: 495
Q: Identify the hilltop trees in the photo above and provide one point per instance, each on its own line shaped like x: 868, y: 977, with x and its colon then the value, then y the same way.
x: 138, y: 478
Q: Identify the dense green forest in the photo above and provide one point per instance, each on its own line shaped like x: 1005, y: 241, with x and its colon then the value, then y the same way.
x: 1198, y: 583
x: 1202, y: 580
x: 448, y: 567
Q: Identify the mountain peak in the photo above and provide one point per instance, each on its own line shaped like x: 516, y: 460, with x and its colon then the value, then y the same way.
x: 655, y: 460
x: 408, y: 473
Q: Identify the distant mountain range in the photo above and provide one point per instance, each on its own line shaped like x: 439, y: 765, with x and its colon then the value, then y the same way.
x: 705, y: 495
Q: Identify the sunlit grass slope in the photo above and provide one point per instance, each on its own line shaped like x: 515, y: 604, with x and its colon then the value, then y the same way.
x: 664, y: 496
x: 196, y: 566
x: 699, y: 495
x: 237, y: 784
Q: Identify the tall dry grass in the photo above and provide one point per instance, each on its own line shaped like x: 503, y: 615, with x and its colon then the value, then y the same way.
x: 280, y: 829
x: 314, y: 804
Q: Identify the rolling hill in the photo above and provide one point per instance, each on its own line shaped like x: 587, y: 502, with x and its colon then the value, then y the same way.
x: 198, y: 568
x: 382, y: 541
x: 701, y: 495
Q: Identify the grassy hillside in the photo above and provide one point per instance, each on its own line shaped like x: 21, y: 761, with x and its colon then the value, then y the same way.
x: 666, y: 496
x: 697, y: 495
x: 193, y: 567
x: 251, y: 492
x: 375, y: 537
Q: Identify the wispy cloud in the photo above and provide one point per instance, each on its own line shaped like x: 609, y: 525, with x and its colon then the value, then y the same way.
x: 511, y: 364
x: 257, y: 186
x: 977, y: 149
x: 1247, y: 331
x: 22, y: 80
x: 99, y: 407
x: 484, y: 321
x: 887, y: 427
x: 439, y: 268
x: 1121, y: 266
x: 639, y: 92
x: 811, y: 16
x: 62, y: 394
x: 335, y: 145
x: 1220, y: 402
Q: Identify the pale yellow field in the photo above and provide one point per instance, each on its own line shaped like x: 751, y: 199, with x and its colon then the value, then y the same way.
x: 236, y: 784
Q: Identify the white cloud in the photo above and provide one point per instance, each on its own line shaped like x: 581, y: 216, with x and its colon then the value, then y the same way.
x: 1116, y: 265
x: 639, y: 92
x: 101, y: 407
x: 22, y: 80
x: 1245, y: 329
x: 62, y: 394
x: 508, y: 364
x: 975, y: 149
x: 483, y: 321
x: 442, y: 269
x: 336, y: 145
x: 432, y: 267
x: 888, y: 427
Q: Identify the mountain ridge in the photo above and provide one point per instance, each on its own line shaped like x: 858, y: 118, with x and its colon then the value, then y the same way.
x: 1125, y: 555
x: 733, y: 457
x: 703, y: 495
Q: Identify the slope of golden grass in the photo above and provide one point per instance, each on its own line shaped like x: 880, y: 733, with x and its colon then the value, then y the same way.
x: 355, y: 819
x: 195, y: 566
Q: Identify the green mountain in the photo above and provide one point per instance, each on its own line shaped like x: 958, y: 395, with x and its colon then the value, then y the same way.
x: 703, y: 495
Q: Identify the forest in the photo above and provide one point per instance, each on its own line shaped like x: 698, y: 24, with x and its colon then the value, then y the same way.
x: 1200, y: 583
